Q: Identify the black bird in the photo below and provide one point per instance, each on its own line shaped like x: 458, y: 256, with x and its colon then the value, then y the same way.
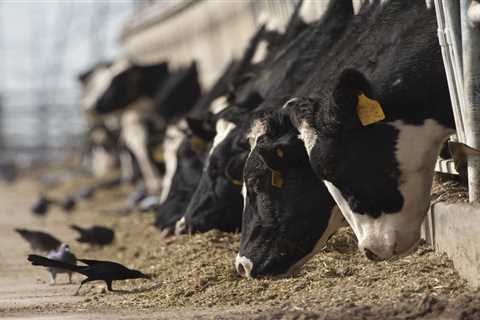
x: 94, y: 270
x: 86, y: 193
x: 40, y: 207
x: 69, y: 204
x: 39, y: 240
x: 95, y: 235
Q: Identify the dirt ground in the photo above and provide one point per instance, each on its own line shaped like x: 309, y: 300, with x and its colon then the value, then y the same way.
x: 193, y: 276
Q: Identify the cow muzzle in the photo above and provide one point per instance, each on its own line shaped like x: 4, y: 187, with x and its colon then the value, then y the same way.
x: 244, y: 266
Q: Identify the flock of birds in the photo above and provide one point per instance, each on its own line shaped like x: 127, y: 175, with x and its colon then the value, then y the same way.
x: 59, y: 257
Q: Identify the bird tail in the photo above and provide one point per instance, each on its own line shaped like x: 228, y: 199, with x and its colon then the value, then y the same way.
x: 22, y: 232
x: 37, y: 260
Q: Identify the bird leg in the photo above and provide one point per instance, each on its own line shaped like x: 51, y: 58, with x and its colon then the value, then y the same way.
x: 81, y: 284
x: 53, y: 276
x: 109, y: 285
x: 69, y: 277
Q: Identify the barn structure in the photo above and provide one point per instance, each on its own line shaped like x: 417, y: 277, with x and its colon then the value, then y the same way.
x: 159, y: 31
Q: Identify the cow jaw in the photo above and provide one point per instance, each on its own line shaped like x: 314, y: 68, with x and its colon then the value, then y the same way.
x: 397, y: 233
x: 394, y: 233
x: 335, y: 222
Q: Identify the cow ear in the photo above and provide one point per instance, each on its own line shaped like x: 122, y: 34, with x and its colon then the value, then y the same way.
x: 298, y: 110
x: 201, y: 128
x: 234, y: 169
x: 351, y: 84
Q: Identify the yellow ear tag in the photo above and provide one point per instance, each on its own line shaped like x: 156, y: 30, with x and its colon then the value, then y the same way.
x: 198, y: 144
x: 158, y: 153
x: 237, y: 182
x: 277, y: 180
x: 369, y: 111
x: 280, y: 153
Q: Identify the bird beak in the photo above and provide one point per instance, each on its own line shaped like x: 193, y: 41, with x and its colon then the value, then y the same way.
x: 147, y: 276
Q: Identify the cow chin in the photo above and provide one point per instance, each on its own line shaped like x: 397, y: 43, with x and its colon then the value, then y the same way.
x: 389, y: 236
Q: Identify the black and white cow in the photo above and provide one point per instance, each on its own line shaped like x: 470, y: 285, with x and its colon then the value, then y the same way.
x: 288, y: 213
x: 373, y: 130
x: 217, y: 202
x: 129, y: 89
x: 186, y: 145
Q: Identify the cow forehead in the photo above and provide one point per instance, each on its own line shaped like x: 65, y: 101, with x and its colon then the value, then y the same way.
x: 257, y: 129
x: 218, y: 105
x: 223, y: 128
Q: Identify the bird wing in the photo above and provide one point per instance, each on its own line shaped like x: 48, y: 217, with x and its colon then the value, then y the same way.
x: 37, y: 260
x: 91, y: 262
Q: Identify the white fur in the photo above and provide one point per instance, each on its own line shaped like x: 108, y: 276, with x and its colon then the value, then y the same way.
x: 173, y: 139
x: 394, y: 234
x: 102, y: 162
x: 135, y: 136
x: 256, y: 131
x: 308, y: 135
x: 180, y: 226
x: 218, y: 105
x: 223, y: 127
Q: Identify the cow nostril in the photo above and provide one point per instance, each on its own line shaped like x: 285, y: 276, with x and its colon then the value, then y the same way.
x: 371, y: 256
x: 244, y: 266
x: 241, y: 270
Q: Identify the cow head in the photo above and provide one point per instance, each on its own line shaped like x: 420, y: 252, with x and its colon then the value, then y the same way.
x: 217, y: 202
x: 113, y: 87
x: 288, y: 213
x: 190, y: 160
x: 378, y: 171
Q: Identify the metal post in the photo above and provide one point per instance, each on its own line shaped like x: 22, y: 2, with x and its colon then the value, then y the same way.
x: 448, y: 34
x: 471, y: 76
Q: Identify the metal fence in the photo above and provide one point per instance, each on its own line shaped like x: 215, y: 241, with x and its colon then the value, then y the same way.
x: 38, y: 132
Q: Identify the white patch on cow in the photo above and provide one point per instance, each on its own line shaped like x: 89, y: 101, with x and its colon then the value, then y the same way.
x: 244, y: 194
x: 223, y: 128
x: 272, y: 22
x: 99, y: 82
x: 260, y: 52
x: 180, y: 226
x: 135, y: 136
x: 173, y: 138
x: 218, y: 105
x: 397, y: 82
x: 289, y: 101
x: 394, y: 234
x: 313, y: 10
x: 126, y: 165
x: 308, y: 135
x: 335, y: 222
x: 257, y: 129
x: 102, y: 161
x: 246, y: 266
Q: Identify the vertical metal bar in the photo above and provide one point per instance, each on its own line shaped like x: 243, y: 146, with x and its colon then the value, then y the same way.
x: 453, y: 39
x: 449, y: 69
x: 471, y: 76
